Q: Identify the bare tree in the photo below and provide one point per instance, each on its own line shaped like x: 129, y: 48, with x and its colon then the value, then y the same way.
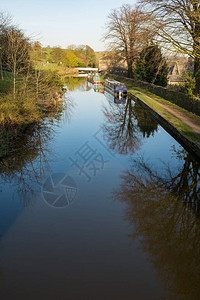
x: 178, y: 26
x: 4, y: 23
x: 120, y: 131
x: 16, y: 56
x: 127, y: 31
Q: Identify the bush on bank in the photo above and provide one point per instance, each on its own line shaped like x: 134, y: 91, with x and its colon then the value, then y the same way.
x: 37, y: 96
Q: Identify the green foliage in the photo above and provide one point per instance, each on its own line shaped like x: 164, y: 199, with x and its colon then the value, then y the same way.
x: 90, y: 56
x: 73, y: 56
x: 152, y: 66
x: 86, y: 55
x: 36, y: 52
x: 47, y: 53
x: 71, y: 60
x: 26, y: 94
x: 190, y: 86
x: 33, y: 95
x: 197, y: 83
x: 58, y: 55
x: 52, y: 79
x: 190, y: 83
x: 6, y: 83
x: 19, y: 110
x: 140, y: 70
x: 81, y: 64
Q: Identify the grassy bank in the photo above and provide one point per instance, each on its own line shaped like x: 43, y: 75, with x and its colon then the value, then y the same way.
x: 186, y: 130
x: 60, y: 69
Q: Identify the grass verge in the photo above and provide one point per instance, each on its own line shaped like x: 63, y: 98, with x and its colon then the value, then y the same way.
x: 186, y: 130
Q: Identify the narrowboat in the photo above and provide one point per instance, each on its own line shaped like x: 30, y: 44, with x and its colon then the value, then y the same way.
x: 97, y: 79
x: 117, y: 88
x: 120, y: 100
x: 94, y: 78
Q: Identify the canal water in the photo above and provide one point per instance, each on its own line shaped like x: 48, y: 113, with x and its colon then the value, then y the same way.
x: 99, y: 202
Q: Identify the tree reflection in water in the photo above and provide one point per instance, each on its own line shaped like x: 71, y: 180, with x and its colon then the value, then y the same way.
x: 28, y: 162
x: 77, y: 83
x: 124, y: 125
x: 29, y: 156
x: 66, y: 111
x: 120, y: 131
x: 146, y: 123
x: 165, y: 213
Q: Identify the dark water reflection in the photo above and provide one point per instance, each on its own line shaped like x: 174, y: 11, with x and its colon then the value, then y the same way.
x: 164, y: 212
x: 134, y: 230
x: 27, y: 162
x: 124, y: 123
x: 120, y: 130
x: 145, y: 122
x: 29, y: 156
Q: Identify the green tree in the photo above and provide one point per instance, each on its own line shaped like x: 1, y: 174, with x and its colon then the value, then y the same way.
x: 190, y: 83
x: 71, y: 60
x: 151, y: 66
x: 87, y: 55
x: 57, y: 55
x: 36, y: 51
x: 90, y: 56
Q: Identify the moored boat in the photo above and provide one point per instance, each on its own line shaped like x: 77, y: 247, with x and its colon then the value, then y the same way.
x: 120, y: 100
x: 94, y: 78
x: 97, y: 79
x: 117, y: 88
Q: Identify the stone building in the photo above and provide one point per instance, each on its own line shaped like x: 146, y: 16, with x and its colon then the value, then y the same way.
x: 177, y: 66
x: 112, y: 62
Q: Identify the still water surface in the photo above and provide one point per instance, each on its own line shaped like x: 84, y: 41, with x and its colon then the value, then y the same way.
x: 99, y: 202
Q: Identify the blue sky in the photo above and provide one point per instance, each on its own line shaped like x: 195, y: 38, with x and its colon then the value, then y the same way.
x: 62, y: 22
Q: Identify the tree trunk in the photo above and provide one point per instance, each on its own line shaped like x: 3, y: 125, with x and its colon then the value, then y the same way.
x: 2, y: 78
x: 37, y: 83
x: 130, y: 69
x: 197, y: 75
x: 196, y: 47
x: 14, y: 80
